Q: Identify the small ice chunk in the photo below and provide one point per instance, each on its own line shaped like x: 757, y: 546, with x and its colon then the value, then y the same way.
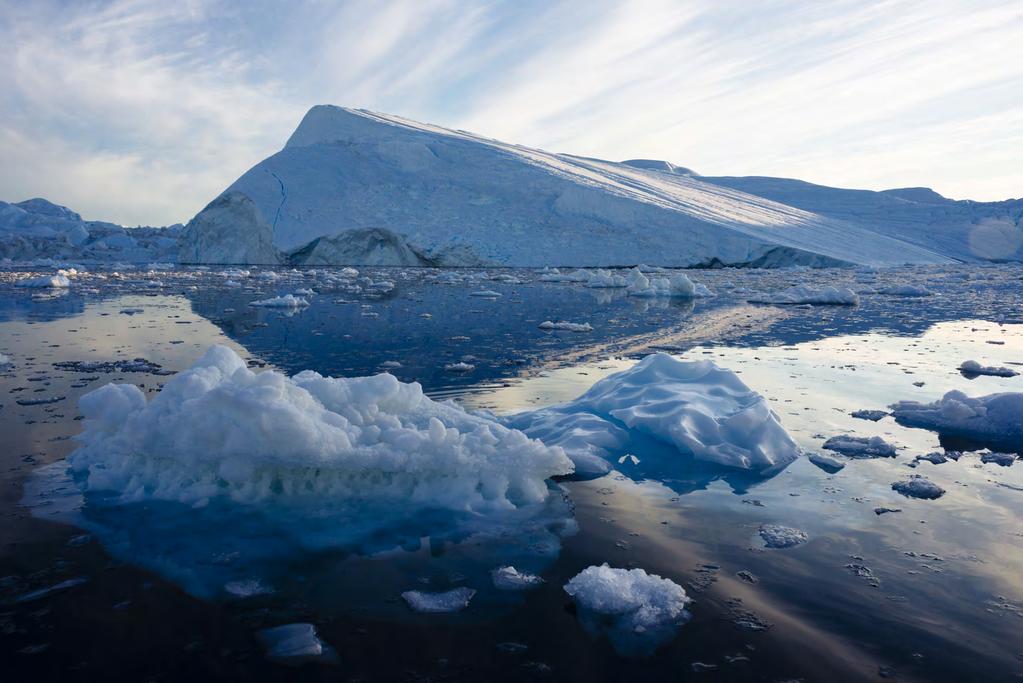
x: 872, y: 415
x: 860, y: 446
x: 642, y: 610
x: 972, y: 368
x: 486, y: 294
x: 431, y: 603
x: 292, y: 641
x: 511, y: 579
x: 566, y: 326
x: 778, y: 536
x: 918, y: 487
x: 826, y: 463
x: 1003, y: 459
x: 286, y: 301
x: 461, y: 366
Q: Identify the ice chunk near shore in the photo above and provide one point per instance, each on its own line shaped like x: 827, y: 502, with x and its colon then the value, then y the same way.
x: 45, y: 282
x: 637, y: 611
x: 995, y: 418
x: 805, y: 294
x: 778, y: 536
x: 566, y: 326
x: 972, y: 368
x: 286, y: 301
x: 433, y: 603
x: 511, y: 579
x: 860, y: 446
x: 918, y: 487
x: 696, y: 408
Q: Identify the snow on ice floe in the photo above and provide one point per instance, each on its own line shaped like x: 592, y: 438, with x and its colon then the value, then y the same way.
x: 511, y: 579
x: 221, y: 430
x: 637, y: 611
x: 778, y: 536
x: 860, y: 446
x: 453, y: 600
x: 566, y: 326
x: 805, y: 294
x: 58, y: 281
x: 696, y: 408
x: 264, y: 469
x: 918, y: 487
x: 286, y: 301
x: 995, y: 418
x: 973, y: 368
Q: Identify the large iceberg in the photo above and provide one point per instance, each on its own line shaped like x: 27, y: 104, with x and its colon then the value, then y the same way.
x: 695, y: 408
x: 456, y: 198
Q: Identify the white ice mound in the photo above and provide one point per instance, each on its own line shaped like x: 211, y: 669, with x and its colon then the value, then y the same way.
x: 778, y: 536
x: 696, y: 407
x: 805, y: 294
x: 219, y: 430
x: 636, y: 609
x: 286, y: 301
x: 995, y: 418
x: 295, y: 642
x: 45, y: 282
x: 678, y: 285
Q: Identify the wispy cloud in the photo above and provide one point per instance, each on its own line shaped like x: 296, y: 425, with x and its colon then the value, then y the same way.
x: 140, y: 111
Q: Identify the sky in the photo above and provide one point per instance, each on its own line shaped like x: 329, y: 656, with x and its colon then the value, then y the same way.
x: 142, y: 111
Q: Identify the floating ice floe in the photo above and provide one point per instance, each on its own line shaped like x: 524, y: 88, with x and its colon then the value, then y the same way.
x: 45, y: 282
x: 460, y: 366
x: 566, y: 326
x: 973, y: 368
x: 431, y: 603
x: 1002, y: 459
x: 486, y: 294
x: 778, y: 536
x: 805, y: 294
x: 511, y: 579
x: 221, y: 430
x: 678, y: 285
x: 918, y: 487
x: 995, y: 418
x: 636, y: 610
x: 286, y: 301
x: 826, y: 463
x: 872, y: 415
x: 696, y: 408
x: 5, y: 360
x: 860, y: 446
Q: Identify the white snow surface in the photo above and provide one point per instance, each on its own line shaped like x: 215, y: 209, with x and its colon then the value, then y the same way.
x: 805, y: 294
x: 636, y: 601
x: 219, y: 430
x: 996, y: 418
x: 696, y: 407
x: 458, y: 198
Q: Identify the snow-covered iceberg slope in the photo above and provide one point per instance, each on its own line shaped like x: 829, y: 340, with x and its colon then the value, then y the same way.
x: 457, y: 198
x: 964, y: 229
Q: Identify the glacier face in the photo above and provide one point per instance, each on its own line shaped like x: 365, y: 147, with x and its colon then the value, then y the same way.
x: 456, y: 198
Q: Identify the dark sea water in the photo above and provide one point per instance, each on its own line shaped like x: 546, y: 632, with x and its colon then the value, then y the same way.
x: 933, y: 592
